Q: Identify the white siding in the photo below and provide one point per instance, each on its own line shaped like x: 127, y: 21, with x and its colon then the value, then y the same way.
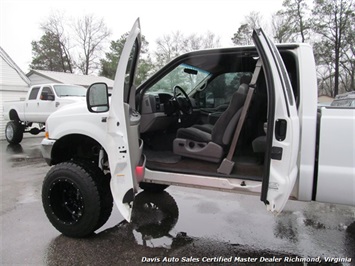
x: 12, y: 88
x: 10, y: 78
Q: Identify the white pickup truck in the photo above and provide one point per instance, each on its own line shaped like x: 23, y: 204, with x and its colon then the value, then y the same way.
x: 41, y: 101
x: 241, y: 119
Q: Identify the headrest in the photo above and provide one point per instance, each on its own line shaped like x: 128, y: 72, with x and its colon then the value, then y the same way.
x: 243, y: 89
x: 245, y: 79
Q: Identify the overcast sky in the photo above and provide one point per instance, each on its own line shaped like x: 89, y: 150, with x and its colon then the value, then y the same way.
x: 20, y: 19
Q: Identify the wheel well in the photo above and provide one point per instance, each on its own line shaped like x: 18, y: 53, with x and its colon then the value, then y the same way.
x: 13, y: 115
x: 76, y: 146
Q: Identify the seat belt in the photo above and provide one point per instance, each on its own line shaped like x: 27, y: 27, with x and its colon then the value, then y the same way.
x: 227, y: 164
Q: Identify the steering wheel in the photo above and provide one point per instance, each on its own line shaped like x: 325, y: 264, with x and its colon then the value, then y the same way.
x: 184, y: 104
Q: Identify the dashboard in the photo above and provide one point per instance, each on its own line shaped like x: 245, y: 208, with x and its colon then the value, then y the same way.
x: 154, y: 111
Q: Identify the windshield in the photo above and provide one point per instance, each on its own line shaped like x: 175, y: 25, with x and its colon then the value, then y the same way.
x: 69, y: 90
x: 184, y: 75
x: 343, y: 102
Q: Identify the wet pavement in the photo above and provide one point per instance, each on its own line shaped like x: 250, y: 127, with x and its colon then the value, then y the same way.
x: 182, y: 226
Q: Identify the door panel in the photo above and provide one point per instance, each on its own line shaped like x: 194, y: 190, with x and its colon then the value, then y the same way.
x: 31, y: 105
x: 124, y: 149
x: 45, y: 106
x: 283, y: 128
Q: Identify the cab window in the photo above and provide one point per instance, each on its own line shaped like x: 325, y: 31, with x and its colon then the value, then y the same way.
x: 220, y: 90
x: 184, y: 75
x: 34, y: 93
x: 46, y: 94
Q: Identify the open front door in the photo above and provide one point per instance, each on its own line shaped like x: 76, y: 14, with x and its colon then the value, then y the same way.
x: 124, y: 148
x: 283, y: 128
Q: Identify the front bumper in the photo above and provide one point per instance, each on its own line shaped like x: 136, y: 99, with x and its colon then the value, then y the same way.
x: 46, y: 149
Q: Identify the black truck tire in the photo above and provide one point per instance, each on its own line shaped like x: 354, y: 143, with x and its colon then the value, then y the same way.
x: 103, y: 183
x: 151, y: 187
x: 154, y: 214
x: 14, y: 132
x: 73, y: 200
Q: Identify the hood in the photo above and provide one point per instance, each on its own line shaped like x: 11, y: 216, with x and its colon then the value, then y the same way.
x: 76, y: 107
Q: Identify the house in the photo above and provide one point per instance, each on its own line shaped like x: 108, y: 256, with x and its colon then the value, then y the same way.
x: 14, y: 85
x: 44, y: 76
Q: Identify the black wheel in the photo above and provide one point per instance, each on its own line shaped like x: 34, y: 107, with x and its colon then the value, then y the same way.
x: 14, y: 132
x: 151, y: 187
x: 154, y: 214
x: 71, y: 199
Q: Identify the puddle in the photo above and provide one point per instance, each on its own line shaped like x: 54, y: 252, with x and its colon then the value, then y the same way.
x: 28, y: 194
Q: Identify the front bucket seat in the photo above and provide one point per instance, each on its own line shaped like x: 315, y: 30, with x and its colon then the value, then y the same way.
x: 194, y: 142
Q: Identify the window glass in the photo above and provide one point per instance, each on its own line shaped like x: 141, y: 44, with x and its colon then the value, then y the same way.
x: 220, y: 90
x: 184, y: 75
x: 129, y: 76
x: 46, y: 91
x: 69, y: 90
x: 345, y: 103
x: 34, y: 93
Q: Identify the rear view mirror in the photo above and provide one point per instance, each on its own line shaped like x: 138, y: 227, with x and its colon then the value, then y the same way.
x: 97, y: 98
x: 190, y: 71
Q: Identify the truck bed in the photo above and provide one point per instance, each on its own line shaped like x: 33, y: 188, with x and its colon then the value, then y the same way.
x: 336, y: 156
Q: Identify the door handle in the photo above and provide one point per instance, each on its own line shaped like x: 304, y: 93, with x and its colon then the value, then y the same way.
x: 280, y: 129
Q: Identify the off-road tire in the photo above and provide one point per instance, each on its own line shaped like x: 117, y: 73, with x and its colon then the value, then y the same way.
x: 14, y: 132
x: 103, y: 183
x: 71, y: 199
x: 154, y: 214
x: 151, y: 187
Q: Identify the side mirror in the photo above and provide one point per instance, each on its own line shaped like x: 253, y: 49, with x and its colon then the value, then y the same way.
x: 97, y: 98
x: 50, y: 97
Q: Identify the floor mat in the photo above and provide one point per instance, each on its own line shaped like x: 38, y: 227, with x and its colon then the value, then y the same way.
x: 161, y: 156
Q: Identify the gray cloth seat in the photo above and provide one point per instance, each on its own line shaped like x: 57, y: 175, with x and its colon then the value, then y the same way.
x: 204, y: 127
x: 209, y: 142
x: 259, y: 144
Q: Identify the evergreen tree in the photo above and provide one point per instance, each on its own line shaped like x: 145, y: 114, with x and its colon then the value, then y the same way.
x: 48, y: 55
x: 109, y: 64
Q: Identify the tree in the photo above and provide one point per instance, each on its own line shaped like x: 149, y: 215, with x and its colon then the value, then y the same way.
x: 196, y: 42
x: 55, y: 27
x: 48, y: 55
x: 91, y: 33
x: 169, y: 46
x: 172, y: 45
x: 244, y: 34
x: 281, y: 29
x: 295, y: 13
x: 332, y: 21
x: 347, y: 62
x: 109, y: 64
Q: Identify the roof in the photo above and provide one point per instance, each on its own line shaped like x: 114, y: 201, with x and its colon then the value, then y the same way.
x: 69, y: 78
x: 13, y: 65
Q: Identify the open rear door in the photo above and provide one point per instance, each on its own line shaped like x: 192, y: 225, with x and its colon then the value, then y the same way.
x: 283, y: 127
x: 124, y: 148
